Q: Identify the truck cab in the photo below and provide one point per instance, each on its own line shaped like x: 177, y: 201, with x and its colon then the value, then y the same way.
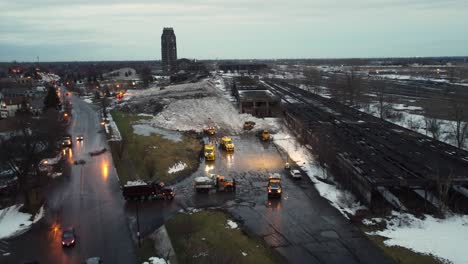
x: 209, y: 130
x: 226, y: 144
x: 209, y: 152
x: 274, y: 188
x: 265, y: 135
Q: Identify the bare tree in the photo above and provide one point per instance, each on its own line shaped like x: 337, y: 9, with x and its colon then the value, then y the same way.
x: 313, y: 78
x: 433, y: 126
x: 443, y: 187
x: 379, y: 87
x: 21, y: 152
x: 352, y: 86
x: 460, y: 124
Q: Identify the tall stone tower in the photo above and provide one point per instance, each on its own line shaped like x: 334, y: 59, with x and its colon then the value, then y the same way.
x: 168, y: 50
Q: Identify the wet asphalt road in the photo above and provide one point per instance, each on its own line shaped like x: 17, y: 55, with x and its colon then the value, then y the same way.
x: 302, y: 226
x: 88, y: 198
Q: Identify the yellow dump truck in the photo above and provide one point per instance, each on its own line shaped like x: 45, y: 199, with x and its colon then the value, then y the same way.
x: 209, y: 152
x: 226, y: 144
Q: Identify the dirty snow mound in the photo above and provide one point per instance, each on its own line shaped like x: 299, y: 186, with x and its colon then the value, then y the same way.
x: 194, y: 114
x: 231, y: 224
x: 199, y: 89
x: 14, y: 222
x: 135, y: 183
x: 177, y: 167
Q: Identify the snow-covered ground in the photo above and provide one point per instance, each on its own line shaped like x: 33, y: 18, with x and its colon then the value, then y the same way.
x: 412, y: 118
x: 342, y: 200
x: 444, y: 238
x: 120, y: 74
x: 13, y: 222
x: 179, y: 166
x: 416, y: 78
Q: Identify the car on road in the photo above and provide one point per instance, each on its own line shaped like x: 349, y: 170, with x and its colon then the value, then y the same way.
x: 296, y: 174
x: 68, y: 237
x: 66, y: 142
x: 79, y: 138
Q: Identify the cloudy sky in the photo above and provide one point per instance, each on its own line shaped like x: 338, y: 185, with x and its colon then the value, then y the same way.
x: 58, y: 30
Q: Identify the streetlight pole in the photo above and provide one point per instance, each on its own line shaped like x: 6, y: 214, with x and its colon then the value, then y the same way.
x: 138, y: 225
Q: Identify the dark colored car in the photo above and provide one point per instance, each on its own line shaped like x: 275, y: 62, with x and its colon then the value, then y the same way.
x: 68, y: 237
x: 79, y: 138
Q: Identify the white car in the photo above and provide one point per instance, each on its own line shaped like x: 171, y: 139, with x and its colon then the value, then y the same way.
x: 296, y: 174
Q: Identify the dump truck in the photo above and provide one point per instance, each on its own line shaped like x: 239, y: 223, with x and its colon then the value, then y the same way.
x: 145, y: 191
x: 274, y: 186
x: 249, y: 125
x: 226, y: 144
x: 265, y: 135
x: 209, y: 152
x: 209, y: 130
x: 214, y: 182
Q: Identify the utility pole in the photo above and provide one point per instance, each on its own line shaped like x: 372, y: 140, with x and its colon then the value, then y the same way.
x: 138, y: 224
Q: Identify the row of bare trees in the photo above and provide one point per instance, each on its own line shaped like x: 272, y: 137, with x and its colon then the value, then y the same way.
x: 30, y: 140
x: 349, y: 88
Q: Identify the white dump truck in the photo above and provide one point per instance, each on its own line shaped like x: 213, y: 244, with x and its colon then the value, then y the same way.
x: 215, y: 182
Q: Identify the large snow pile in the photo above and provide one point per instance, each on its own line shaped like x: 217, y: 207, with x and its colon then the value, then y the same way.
x: 194, y: 114
x: 179, y: 166
x: 192, y: 106
x: 342, y: 200
x: 445, y: 238
x: 416, y: 122
x: 13, y: 222
x: 172, y: 92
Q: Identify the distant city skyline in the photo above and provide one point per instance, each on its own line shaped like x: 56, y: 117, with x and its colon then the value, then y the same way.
x: 245, y: 29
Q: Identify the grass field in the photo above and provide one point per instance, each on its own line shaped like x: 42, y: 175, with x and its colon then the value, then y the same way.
x: 150, y: 157
x: 203, y: 238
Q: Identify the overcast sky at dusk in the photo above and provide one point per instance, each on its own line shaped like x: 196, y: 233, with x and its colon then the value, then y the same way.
x: 58, y: 30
